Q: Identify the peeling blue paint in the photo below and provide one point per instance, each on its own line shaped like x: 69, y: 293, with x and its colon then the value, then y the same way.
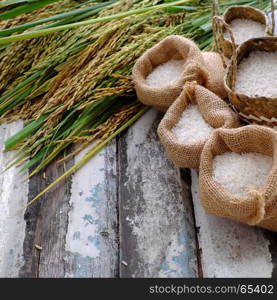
x: 97, y: 194
x: 95, y: 215
x: 94, y: 218
x: 81, y: 264
x: 181, y: 261
x: 95, y: 240
x: 77, y: 235
x: 88, y: 218
x: 165, y: 266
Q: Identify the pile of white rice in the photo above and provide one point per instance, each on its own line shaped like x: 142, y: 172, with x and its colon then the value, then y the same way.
x: 192, y: 127
x: 257, y: 75
x: 245, y: 29
x: 236, y: 171
x: 166, y: 73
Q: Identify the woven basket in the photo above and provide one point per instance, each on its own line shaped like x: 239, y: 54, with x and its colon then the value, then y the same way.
x: 242, y: 12
x: 260, y: 110
x: 225, y: 45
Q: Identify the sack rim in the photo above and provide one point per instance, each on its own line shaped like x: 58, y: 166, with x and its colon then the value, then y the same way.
x: 208, y: 171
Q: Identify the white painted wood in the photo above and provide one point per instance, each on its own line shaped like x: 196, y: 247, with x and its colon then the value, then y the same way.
x: 229, y: 249
x: 91, y: 240
x: 156, y: 224
x: 13, y: 198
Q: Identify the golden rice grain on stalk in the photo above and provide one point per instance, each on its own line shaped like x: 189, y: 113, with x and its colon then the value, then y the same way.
x: 79, y: 87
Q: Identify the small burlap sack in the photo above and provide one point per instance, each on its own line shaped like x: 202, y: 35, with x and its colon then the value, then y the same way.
x: 213, y: 109
x: 207, y: 69
x: 260, y: 207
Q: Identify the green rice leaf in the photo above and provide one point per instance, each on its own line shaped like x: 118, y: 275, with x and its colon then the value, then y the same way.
x: 42, y: 32
x: 23, y: 9
x: 67, y: 17
x: 24, y: 133
x: 91, y: 154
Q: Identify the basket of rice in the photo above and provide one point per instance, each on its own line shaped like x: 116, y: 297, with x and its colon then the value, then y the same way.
x: 245, y: 22
x: 189, y: 122
x: 251, y: 81
x: 238, y: 175
x: 161, y: 72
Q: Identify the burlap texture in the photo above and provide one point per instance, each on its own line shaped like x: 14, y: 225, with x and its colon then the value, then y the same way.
x: 214, y: 110
x: 207, y: 69
x: 260, y: 207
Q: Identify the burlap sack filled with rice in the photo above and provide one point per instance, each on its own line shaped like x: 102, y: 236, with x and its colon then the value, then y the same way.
x: 189, y: 121
x: 161, y: 72
x: 238, y: 175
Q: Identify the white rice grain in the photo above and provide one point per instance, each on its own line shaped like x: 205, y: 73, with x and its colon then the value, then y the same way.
x: 191, y: 127
x: 236, y: 172
x: 166, y: 73
x: 257, y: 75
x: 245, y: 29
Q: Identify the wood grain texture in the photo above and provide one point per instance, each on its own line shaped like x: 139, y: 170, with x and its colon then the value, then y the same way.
x: 75, y: 223
x: 272, y: 238
x: 92, y: 236
x: 228, y: 248
x: 138, y: 204
x: 13, y: 198
x: 157, y: 236
x: 46, y: 224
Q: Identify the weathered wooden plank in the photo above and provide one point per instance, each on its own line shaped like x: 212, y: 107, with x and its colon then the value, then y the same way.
x: 13, y: 198
x: 229, y: 249
x: 157, y: 234
x: 76, y: 222
x: 52, y: 224
x: 92, y: 236
x: 46, y: 225
x: 272, y: 238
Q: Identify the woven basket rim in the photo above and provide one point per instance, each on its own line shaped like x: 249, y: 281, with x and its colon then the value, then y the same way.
x: 233, y: 7
x: 236, y: 54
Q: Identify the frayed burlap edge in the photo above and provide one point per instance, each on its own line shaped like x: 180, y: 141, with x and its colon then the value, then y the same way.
x: 214, y: 110
x: 209, y: 73
x: 260, y: 207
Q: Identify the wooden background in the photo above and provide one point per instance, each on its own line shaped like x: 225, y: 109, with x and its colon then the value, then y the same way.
x: 128, y: 213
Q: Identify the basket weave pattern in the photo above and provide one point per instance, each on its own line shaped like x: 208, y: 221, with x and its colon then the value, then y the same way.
x: 260, y: 110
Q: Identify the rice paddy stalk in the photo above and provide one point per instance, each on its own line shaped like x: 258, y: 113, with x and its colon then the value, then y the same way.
x: 63, y: 18
x: 90, y: 154
x: 75, y: 86
x: 42, y: 32
x: 25, y: 8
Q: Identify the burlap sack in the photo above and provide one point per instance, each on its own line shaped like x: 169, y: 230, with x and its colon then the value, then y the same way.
x: 213, y: 109
x: 207, y: 69
x: 260, y: 207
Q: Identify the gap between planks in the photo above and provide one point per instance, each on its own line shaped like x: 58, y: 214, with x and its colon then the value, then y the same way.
x: 157, y: 234
x: 77, y: 226
x: 75, y: 223
x: 228, y: 248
